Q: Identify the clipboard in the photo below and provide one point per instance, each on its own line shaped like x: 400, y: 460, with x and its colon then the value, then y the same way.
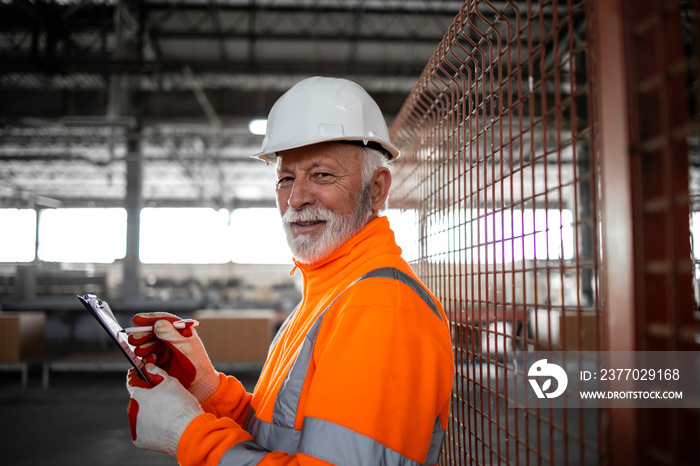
x: 100, y: 310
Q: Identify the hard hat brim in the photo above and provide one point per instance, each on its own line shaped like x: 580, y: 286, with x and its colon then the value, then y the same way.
x: 390, y: 150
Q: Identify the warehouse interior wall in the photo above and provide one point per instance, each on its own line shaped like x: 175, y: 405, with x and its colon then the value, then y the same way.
x: 549, y: 148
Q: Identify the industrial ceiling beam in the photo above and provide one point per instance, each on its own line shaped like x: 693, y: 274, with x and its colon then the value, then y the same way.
x: 386, y: 7
x: 201, y: 97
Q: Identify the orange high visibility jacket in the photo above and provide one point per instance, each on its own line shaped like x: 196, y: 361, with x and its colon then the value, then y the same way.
x: 360, y: 374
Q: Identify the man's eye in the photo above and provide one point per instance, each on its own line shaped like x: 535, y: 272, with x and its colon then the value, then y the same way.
x: 284, y: 181
x: 323, y: 175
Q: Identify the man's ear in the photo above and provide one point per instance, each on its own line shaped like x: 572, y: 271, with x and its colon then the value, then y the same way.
x: 381, y: 182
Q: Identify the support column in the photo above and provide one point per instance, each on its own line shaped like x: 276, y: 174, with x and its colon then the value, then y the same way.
x: 125, y: 101
x: 134, y: 186
x: 618, y: 275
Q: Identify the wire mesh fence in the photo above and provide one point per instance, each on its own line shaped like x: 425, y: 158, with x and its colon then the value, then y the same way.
x: 500, y: 178
x: 522, y: 184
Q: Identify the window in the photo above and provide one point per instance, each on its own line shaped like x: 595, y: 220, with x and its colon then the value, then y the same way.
x: 404, y: 224
x: 502, y: 236
x: 17, y: 235
x: 184, y: 236
x: 82, y: 235
x: 257, y: 237
x: 167, y: 235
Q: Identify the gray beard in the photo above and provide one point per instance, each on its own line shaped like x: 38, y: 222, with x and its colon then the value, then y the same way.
x: 338, y: 230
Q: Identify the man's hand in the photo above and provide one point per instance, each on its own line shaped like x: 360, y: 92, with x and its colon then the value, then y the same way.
x: 159, y: 413
x: 181, y: 354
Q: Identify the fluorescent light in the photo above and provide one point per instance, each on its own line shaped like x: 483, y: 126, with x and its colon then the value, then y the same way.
x: 257, y: 127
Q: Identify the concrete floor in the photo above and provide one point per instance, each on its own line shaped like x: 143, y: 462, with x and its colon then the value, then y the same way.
x: 79, y: 419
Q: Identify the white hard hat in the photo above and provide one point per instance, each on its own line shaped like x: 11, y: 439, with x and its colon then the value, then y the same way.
x: 323, y: 109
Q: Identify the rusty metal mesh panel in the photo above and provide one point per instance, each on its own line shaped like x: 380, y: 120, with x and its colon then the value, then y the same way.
x: 499, y: 173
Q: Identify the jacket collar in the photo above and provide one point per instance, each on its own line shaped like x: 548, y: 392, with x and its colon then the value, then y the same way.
x: 375, y: 239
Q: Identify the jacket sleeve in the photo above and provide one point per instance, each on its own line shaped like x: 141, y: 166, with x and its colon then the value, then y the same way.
x: 229, y: 400
x: 212, y: 441
x: 217, y: 438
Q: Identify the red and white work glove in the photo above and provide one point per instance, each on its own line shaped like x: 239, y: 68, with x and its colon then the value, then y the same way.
x: 180, y: 353
x: 159, y: 413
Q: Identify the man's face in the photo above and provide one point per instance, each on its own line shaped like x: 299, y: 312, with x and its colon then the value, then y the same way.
x: 321, y: 198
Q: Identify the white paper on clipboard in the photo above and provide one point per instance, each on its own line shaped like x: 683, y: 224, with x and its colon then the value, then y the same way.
x: 101, y: 311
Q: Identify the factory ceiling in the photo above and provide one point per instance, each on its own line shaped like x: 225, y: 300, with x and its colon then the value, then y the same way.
x: 100, y: 96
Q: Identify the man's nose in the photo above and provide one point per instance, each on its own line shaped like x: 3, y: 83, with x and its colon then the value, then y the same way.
x: 301, y: 195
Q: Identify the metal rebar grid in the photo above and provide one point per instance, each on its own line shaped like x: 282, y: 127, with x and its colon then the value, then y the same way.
x: 500, y: 171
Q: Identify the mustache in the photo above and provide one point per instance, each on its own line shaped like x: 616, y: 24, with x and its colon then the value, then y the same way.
x: 315, y: 214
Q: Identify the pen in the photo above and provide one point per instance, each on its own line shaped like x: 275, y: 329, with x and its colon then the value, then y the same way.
x: 178, y: 324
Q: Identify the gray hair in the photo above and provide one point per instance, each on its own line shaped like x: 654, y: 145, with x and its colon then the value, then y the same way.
x: 372, y: 160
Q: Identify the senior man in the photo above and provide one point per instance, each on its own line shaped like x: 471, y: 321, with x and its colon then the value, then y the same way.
x: 361, y: 372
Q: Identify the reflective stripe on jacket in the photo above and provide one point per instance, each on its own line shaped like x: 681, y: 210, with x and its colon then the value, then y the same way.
x: 361, y: 373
